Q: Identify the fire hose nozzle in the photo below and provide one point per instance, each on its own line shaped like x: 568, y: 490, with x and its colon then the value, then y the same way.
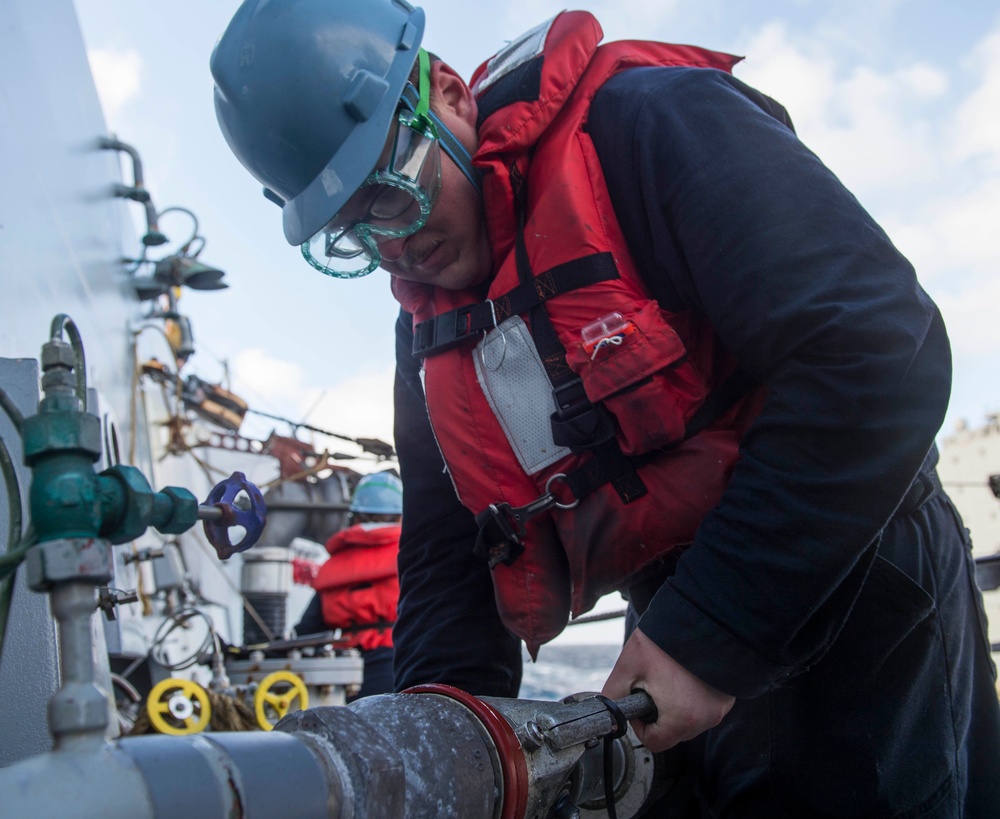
x: 580, y: 722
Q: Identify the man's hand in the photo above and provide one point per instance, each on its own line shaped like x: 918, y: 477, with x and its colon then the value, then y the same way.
x: 686, y: 706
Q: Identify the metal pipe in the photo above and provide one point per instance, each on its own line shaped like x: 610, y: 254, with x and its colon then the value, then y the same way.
x: 418, y: 755
x: 270, y: 775
x: 138, y: 191
x: 210, y: 513
x: 78, y: 713
x: 305, y: 506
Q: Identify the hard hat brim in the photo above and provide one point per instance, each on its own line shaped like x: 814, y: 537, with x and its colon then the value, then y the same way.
x: 304, y: 215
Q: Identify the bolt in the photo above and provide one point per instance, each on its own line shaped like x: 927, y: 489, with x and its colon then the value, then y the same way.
x: 57, y: 354
x: 534, y: 736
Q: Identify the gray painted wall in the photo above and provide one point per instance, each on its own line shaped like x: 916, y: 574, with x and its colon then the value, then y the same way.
x: 60, y: 248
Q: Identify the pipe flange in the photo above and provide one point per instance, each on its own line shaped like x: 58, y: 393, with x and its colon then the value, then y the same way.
x: 68, y: 560
x: 514, y: 768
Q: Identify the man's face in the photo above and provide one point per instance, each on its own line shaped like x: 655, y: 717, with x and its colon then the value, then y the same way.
x: 452, y: 249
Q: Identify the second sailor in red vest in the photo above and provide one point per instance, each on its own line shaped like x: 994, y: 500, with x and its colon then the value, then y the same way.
x: 357, y: 588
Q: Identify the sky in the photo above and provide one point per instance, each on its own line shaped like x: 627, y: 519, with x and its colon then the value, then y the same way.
x: 900, y: 98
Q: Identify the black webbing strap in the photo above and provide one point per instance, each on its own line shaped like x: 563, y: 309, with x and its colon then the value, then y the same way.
x: 502, y: 528
x: 592, y: 475
x: 719, y: 401
x: 379, y: 625
x: 577, y: 422
x: 463, y: 324
x: 549, y: 347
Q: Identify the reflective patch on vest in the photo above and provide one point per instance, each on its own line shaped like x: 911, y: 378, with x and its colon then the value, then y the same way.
x: 516, y: 53
x: 515, y: 384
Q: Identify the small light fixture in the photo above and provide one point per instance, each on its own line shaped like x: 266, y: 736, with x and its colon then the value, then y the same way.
x: 178, y: 270
x: 186, y: 271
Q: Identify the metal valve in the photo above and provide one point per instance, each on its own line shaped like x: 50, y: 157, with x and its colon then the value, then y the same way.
x: 275, y: 695
x: 223, y: 509
x: 179, y: 707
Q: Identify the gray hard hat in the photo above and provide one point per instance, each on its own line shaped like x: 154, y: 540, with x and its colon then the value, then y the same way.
x: 306, y: 92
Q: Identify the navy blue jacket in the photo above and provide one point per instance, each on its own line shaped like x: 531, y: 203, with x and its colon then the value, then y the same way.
x: 727, y: 214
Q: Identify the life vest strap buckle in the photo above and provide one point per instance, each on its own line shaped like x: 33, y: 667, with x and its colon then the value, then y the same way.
x: 577, y: 423
x: 452, y: 329
x: 502, y: 527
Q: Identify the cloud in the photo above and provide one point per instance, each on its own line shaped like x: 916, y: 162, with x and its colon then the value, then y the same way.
x: 117, y: 75
x: 801, y: 79
x: 976, y: 129
x: 874, y: 128
x: 268, y: 377
x: 889, y: 131
x: 970, y: 314
x: 619, y: 19
x: 358, y: 407
x: 918, y: 145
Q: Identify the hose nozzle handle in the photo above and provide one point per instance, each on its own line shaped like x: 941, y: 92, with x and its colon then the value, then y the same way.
x: 638, y: 705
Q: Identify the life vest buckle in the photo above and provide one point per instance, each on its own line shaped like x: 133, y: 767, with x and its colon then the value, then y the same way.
x: 451, y: 329
x: 577, y: 423
x: 501, y: 534
x: 502, y: 527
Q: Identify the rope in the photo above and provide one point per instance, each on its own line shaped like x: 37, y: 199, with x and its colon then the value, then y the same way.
x: 229, y: 713
x: 206, y: 467
x: 16, y: 418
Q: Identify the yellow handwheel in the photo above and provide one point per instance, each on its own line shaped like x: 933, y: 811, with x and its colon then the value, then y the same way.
x: 276, y: 692
x: 178, y: 707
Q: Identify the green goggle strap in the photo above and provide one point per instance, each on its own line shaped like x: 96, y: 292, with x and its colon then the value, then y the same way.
x: 424, y: 90
x: 419, y: 103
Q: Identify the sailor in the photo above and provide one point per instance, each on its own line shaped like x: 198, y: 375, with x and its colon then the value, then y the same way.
x: 357, y: 588
x: 649, y: 342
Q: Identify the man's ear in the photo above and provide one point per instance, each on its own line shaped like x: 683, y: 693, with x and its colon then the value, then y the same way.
x: 450, y: 93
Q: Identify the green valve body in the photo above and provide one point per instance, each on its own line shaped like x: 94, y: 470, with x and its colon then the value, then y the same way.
x: 68, y: 499
x: 61, y: 444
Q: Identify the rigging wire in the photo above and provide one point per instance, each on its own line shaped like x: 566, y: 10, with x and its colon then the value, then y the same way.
x: 597, y: 618
x: 370, y: 445
x: 180, y: 619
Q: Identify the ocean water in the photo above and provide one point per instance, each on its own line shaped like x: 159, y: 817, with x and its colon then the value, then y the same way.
x: 562, y: 670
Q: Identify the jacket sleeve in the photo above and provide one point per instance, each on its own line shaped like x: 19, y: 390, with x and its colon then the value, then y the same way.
x: 729, y: 215
x: 447, y: 627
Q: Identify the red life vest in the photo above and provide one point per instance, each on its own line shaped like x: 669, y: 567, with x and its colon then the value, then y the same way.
x: 638, y: 481
x: 359, y: 586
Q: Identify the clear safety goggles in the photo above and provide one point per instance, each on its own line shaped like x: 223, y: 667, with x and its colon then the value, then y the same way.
x: 394, y: 201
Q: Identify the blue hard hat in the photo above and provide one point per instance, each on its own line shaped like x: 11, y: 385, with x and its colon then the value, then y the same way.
x: 378, y: 494
x: 306, y: 92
